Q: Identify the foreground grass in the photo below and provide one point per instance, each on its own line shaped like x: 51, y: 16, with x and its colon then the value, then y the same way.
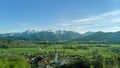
x: 13, y: 62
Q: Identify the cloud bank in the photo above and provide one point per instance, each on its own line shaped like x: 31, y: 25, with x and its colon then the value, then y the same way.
x: 107, y: 22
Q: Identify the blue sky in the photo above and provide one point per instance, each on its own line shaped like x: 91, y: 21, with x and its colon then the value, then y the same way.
x: 76, y: 15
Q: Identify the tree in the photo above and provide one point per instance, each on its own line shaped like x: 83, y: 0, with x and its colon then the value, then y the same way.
x: 5, y: 43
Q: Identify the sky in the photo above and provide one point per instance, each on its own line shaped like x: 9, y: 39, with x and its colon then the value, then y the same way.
x: 74, y: 15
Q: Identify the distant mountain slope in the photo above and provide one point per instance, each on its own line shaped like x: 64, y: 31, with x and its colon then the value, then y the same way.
x: 88, y: 33
x: 101, y: 37
x: 47, y: 35
x: 61, y: 36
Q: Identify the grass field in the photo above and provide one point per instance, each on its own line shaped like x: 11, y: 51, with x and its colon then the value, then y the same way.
x: 38, y: 49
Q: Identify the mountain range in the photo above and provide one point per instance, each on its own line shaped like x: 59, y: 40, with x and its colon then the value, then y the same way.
x: 64, y: 36
x: 100, y: 37
x: 48, y: 35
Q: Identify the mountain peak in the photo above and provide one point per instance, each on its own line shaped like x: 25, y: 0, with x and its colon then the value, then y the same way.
x: 31, y: 31
x: 88, y: 33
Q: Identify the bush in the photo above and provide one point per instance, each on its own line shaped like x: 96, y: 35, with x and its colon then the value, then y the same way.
x: 13, y: 62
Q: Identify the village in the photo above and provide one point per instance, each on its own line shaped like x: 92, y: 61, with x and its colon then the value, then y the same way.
x: 52, y: 60
x: 59, y: 59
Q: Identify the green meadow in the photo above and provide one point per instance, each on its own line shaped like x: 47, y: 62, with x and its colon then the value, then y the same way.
x: 102, y: 49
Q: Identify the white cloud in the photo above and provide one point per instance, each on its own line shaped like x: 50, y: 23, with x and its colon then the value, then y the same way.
x: 96, y: 22
x: 111, y: 29
x: 113, y: 13
x: 29, y: 26
x: 117, y: 20
x: 83, y: 20
x: 22, y: 24
x: 97, y: 18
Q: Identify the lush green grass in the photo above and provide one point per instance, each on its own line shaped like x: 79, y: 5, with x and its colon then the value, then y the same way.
x: 101, y: 50
x: 20, y: 50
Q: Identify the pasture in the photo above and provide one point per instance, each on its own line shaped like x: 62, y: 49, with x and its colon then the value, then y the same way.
x: 69, y: 49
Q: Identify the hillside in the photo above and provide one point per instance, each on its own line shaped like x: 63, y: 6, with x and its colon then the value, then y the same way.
x: 47, y: 35
x: 63, y: 36
x: 106, y: 37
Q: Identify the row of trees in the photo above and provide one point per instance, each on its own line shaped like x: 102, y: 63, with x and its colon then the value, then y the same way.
x: 5, y: 43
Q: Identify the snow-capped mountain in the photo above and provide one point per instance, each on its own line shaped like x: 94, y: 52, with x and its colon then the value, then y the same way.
x: 48, y: 35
